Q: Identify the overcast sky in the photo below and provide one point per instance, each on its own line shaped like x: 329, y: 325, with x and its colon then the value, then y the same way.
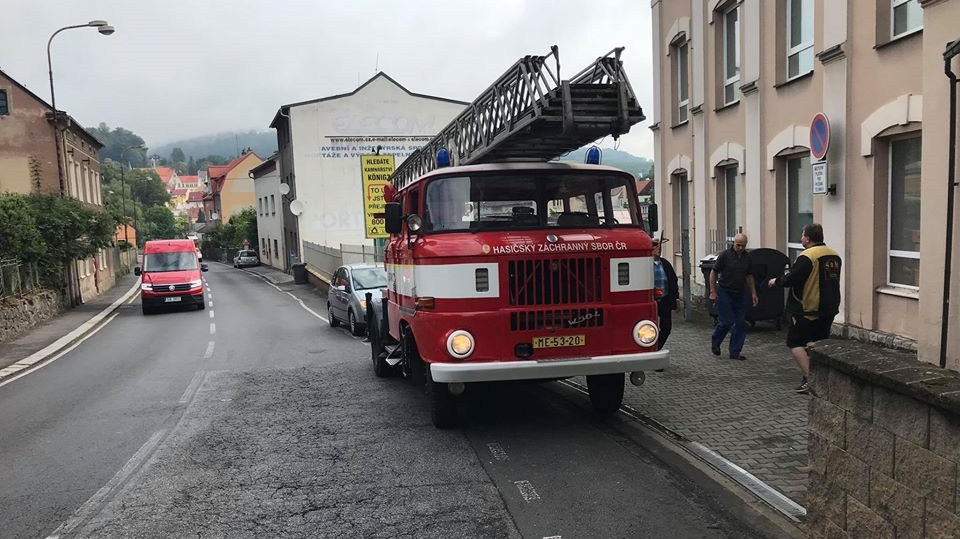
x: 178, y: 69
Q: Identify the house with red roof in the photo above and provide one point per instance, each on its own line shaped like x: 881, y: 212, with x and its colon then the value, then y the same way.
x: 229, y: 188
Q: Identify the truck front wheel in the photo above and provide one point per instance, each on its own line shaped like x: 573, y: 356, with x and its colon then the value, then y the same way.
x: 443, y: 404
x: 606, y: 392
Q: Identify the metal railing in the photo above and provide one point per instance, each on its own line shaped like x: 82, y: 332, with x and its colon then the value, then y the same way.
x: 325, y: 260
x: 17, y: 278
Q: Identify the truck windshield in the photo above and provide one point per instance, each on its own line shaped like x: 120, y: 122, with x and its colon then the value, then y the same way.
x: 157, y: 262
x: 530, y: 199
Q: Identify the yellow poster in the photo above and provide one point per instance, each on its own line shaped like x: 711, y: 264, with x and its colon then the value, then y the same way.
x: 375, y: 171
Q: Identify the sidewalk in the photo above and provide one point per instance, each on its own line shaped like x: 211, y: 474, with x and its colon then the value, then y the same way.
x: 744, y: 410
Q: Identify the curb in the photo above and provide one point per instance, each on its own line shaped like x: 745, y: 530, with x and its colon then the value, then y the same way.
x: 42, y: 355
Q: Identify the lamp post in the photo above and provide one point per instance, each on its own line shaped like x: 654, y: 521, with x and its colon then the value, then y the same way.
x: 104, y: 29
x: 123, y: 191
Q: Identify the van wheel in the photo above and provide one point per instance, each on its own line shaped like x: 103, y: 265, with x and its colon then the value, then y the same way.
x: 145, y: 309
x: 201, y: 306
x: 334, y: 323
x: 443, y: 404
x: 355, y: 328
x: 606, y: 392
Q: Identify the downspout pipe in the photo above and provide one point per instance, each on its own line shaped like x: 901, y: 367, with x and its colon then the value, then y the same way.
x: 952, y: 50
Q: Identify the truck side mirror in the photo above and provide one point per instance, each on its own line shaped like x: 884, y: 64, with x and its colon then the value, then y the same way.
x: 136, y: 271
x: 653, y: 218
x: 393, y: 217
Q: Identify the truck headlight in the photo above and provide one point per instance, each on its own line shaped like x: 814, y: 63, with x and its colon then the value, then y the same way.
x: 460, y: 344
x: 645, y: 333
x: 196, y: 284
x: 146, y: 286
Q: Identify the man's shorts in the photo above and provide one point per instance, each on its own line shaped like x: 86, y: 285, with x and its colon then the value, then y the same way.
x: 803, y: 330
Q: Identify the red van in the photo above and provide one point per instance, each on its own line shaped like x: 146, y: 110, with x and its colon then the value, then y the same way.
x: 170, y: 275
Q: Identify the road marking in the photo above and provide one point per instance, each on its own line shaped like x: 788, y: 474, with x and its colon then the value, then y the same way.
x: 213, y: 328
x: 554, y: 537
x: 211, y: 314
x: 209, y: 353
x: 192, y: 387
x: 295, y: 298
x: 101, y: 497
x: 527, y: 491
x: 211, y: 303
x: 29, y: 365
x: 497, y: 451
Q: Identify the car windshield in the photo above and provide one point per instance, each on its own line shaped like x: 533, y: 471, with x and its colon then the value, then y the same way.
x: 248, y: 253
x: 531, y: 199
x: 365, y: 278
x: 184, y: 260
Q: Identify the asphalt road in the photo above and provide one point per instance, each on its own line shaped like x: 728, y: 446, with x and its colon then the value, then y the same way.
x: 254, y: 419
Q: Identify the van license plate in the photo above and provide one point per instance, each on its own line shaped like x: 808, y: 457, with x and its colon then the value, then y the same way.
x: 172, y: 300
x: 559, y: 341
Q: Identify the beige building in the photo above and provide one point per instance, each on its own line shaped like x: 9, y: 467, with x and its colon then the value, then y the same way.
x: 738, y: 84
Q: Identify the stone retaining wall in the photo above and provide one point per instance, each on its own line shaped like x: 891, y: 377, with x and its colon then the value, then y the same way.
x: 884, y: 445
x: 19, y: 314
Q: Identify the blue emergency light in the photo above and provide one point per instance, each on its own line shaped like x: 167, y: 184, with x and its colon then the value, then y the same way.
x: 593, y: 156
x: 443, y: 158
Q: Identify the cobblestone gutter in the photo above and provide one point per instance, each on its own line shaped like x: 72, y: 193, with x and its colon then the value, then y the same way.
x: 884, y: 444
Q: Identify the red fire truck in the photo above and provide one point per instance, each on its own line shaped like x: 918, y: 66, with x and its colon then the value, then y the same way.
x: 518, y: 268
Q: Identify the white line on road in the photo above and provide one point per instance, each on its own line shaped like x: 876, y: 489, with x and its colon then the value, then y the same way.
x: 295, y: 298
x: 209, y: 353
x: 497, y: 451
x: 211, y: 304
x: 211, y: 314
x: 27, y: 368
x: 192, y: 387
x: 213, y: 328
x: 98, y: 500
x: 527, y: 491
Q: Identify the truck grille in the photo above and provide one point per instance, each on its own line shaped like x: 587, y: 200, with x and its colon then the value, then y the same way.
x: 180, y: 287
x: 558, y: 281
x: 556, y: 319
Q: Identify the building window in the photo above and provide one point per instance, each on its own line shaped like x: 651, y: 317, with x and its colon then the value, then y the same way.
x: 903, y: 226
x: 733, y: 201
x: 681, y: 90
x: 799, y: 202
x: 273, y: 205
x: 276, y: 250
x: 799, y: 37
x: 4, y: 104
x: 906, y: 16
x: 731, y: 54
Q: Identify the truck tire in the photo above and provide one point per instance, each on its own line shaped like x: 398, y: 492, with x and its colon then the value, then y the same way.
x: 415, y: 367
x: 443, y: 404
x: 330, y: 318
x: 606, y: 392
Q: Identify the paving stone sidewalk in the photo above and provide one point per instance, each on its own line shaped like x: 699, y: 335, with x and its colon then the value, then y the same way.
x: 746, y: 411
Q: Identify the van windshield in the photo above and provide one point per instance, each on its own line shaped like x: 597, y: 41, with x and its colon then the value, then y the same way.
x: 531, y: 199
x: 157, y: 262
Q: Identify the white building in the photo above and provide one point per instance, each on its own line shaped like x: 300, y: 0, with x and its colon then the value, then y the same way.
x: 266, y: 185
x: 320, y: 144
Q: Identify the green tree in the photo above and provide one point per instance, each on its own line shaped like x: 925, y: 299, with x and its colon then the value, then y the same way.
x: 191, y: 167
x: 244, y: 227
x: 20, y: 238
x: 183, y: 225
x: 146, y: 187
x: 115, y: 141
x: 158, y: 224
x: 176, y: 156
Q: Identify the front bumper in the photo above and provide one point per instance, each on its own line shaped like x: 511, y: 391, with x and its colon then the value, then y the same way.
x: 162, y: 301
x: 548, y: 368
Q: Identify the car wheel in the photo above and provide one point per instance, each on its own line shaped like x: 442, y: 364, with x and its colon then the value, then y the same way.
x: 606, y: 392
x: 356, y: 329
x: 332, y: 319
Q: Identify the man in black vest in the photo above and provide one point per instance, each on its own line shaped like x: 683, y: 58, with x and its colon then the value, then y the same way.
x: 666, y: 290
x: 814, y: 300
x: 730, y: 280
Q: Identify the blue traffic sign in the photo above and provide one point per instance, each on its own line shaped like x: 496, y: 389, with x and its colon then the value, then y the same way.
x: 819, y: 136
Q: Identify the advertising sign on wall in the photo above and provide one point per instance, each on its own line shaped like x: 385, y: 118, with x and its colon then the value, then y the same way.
x: 375, y: 171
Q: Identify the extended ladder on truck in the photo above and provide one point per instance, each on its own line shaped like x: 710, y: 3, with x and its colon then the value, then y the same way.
x: 530, y: 114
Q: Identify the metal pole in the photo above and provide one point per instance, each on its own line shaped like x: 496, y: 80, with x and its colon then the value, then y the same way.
x: 123, y: 197
x: 952, y: 50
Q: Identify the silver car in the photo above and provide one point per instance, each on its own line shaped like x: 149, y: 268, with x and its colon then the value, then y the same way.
x: 246, y: 257
x: 347, y: 301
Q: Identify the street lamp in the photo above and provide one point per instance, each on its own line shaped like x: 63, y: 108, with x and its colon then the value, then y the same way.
x: 123, y: 191
x: 104, y: 29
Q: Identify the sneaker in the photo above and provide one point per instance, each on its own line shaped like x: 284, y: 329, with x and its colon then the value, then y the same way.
x: 804, y: 386
x: 715, y: 350
x: 741, y: 357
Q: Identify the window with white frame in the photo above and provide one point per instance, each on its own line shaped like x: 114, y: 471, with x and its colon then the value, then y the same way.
x: 799, y: 37
x: 799, y: 202
x: 903, y: 225
x: 681, y: 80
x: 731, y: 53
x: 733, y: 201
x: 906, y: 16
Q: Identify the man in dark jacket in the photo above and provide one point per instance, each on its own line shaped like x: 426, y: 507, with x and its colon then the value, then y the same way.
x: 666, y: 289
x: 814, y: 282
x: 730, y: 280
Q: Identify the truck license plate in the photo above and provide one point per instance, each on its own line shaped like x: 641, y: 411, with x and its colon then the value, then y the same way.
x: 172, y: 300
x: 559, y: 341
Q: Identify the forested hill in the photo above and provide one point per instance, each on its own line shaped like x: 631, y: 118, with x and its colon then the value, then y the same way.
x: 228, y: 144
x: 640, y: 167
